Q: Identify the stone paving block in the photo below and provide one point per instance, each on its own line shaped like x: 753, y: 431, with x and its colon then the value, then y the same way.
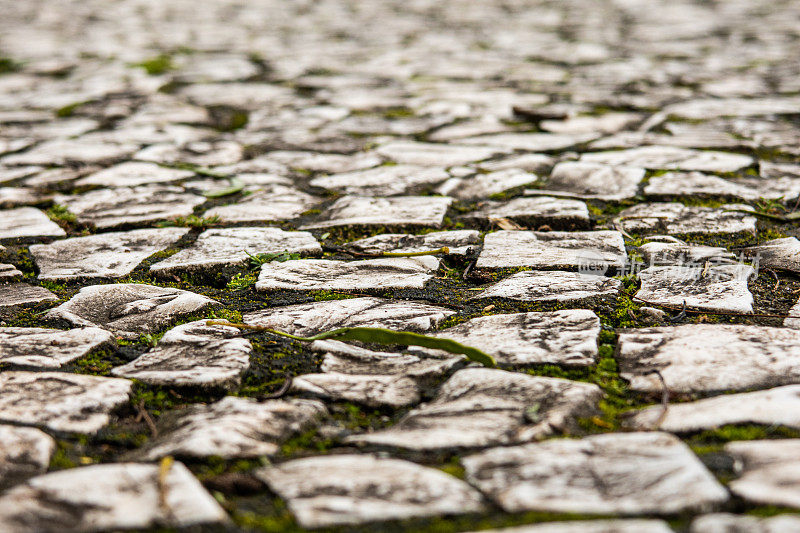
x: 17, y: 294
x: 369, y: 390
x: 678, y: 219
x: 25, y: 223
x: 530, y: 142
x: 733, y: 107
x: 193, y: 354
x: 479, y: 407
x: 778, y: 406
x: 679, y: 253
x: 61, y: 152
x: 556, y: 213
x: 617, y: 473
x: 339, y: 490
x: 49, y: 348
x: 216, y: 248
x: 24, y: 453
x: 709, y: 357
x: 457, y: 242
x: 109, y: 497
x: 589, y: 250
x: 128, y: 309
x: 9, y: 272
x: 201, y: 153
x: 394, y: 211
x: 231, y: 428
x: 708, y: 288
x: 552, y: 285
x: 692, y: 184
x: 591, y: 526
x: 768, y: 471
x: 61, y: 402
x: 369, y: 274
x: 779, y: 254
x: 133, y: 173
x: 274, y: 203
x: 567, y: 337
x: 731, y: 523
x: 110, y: 208
x: 478, y: 186
x: 106, y: 255
x: 19, y: 196
x: 328, y: 163
x: 382, y: 181
x: 671, y: 158
x: 592, y: 180
x: 435, y: 155
x: 533, y: 163
x: 606, y: 123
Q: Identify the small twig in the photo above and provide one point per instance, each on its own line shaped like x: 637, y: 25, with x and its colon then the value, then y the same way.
x: 287, y: 384
x: 664, y: 398
x: 144, y: 415
x: 777, y: 279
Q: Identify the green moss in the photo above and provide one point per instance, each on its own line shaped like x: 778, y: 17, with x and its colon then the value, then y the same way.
x: 192, y: 221
x: 8, y: 65
x: 97, y: 363
x: 69, y: 110
x: 241, y: 281
x: 61, y: 215
x: 157, y: 65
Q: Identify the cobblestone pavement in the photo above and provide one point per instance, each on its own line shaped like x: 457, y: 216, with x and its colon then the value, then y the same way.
x: 601, y: 195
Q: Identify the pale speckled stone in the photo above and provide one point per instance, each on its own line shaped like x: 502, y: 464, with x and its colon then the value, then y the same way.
x: 393, y: 211
x: 355, y: 489
x: 709, y: 357
x: 534, y: 163
x: 19, y: 196
x: 27, y: 222
x: 133, y: 173
x: 24, y: 453
x: 552, y: 285
x: 558, y: 213
x: 60, y: 402
x: 49, y: 348
x: 678, y: 219
x: 631, y: 525
x: 606, y: 123
x: 531, y: 142
x: 708, y: 288
x: 193, y: 354
x: 128, y: 309
x: 216, y: 248
x: 617, y: 473
x: 231, y: 428
x: 382, y: 181
x: 108, y: 497
x: 273, y: 203
x: 8, y: 272
x: 105, y: 255
x: 480, y: 407
x: 768, y: 471
x: 592, y: 180
x: 709, y: 108
x: 61, y: 152
x: 201, y: 153
x: 699, y: 184
x: 325, y: 274
x: 315, y: 317
x: 457, y: 242
x: 434, y: 155
x: 16, y: 294
x: 478, y: 186
x: 671, y: 158
x: 678, y: 253
x: 781, y: 254
x: 731, y: 523
x: 369, y: 390
x: 321, y: 162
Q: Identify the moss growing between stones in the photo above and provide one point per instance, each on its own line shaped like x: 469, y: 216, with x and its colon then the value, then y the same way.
x: 155, y: 66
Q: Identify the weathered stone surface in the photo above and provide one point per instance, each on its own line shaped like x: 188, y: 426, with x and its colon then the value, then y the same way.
x: 393, y: 211
x: 369, y: 390
x: 356, y: 489
x: 625, y: 473
x: 24, y: 453
x: 106, y: 497
x: 27, y: 222
x: 588, y: 250
x: 678, y: 219
x: 216, y: 248
x: 193, y: 354
x: 709, y: 288
x: 768, y: 471
x: 534, y: 163
x: 324, y: 274
x: 552, y: 285
x: 320, y: 162
x: 63, y: 152
x: 60, y: 402
x: 671, y: 158
x: 679, y: 253
x: 109, y: 208
x: 733, y: 107
x: 567, y: 337
x: 16, y: 294
x: 201, y: 153
x: 781, y: 254
x: 231, y: 428
x: 699, y: 184
x: 480, y: 407
x: 709, y: 358
x: 128, y: 309
x: 592, y: 180
x: 274, y: 203
x: 382, y: 181
x: 531, y: 142
x: 591, y: 526
x: 606, y: 123
x: 8, y: 272
x: 105, y: 255
x: 478, y: 186
x: 731, y: 523
x: 133, y: 173
x: 434, y: 155
x: 534, y: 212
x: 18, y: 196
x: 49, y: 348
x: 776, y: 406
x: 457, y: 242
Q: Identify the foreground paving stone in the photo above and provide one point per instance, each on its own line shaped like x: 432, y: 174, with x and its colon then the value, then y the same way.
x: 780, y: 254
x: 216, y: 248
x: 433, y: 154
x: 369, y: 390
x: 552, y: 285
x: 395, y: 211
x: 382, y: 181
x: 731, y: 523
x: 598, y: 250
x: 65, y: 152
x: 591, y: 526
x: 13, y: 295
x: 713, y: 288
x: 60, y: 402
x: 231, y: 428
x: 480, y: 407
x: 193, y: 354
x: 680, y: 253
x: 780, y: 405
x: 316, y: 317
x: 24, y: 453
x: 49, y: 348
x: 106, y: 255
x: 133, y: 173
x: 707, y: 108
x: 534, y: 212
x: 109, y: 208
x: 768, y: 471
x: 26, y: 223
x: 9, y: 272
x: 356, y: 489
x: 478, y: 186
x: 698, y: 184
x: 626, y: 473
x: 671, y: 158
x: 531, y: 142
x: 274, y: 203
x: 114, y: 496
x: 324, y: 274
x: 567, y: 337
x: 592, y: 180
x: 457, y: 242
x: 678, y: 219
x: 709, y: 358
x: 128, y: 309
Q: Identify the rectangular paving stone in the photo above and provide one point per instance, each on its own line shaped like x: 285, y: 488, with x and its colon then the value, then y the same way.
x: 394, y: 211
x: 709, y: 357
x: 671, y: 158
x: 63, y: 152
x: 457, y: 242
x: 324, y: 274
x: 690, y: 184
x: 616, y: 473
x: 680, y: 253
x: 552, y: 285
x: 631, y: 525
x: 24, y: 453
x: 709, y: 288
x: 530, y: 142
x: 481, y: 186
x: 591, y: 180
x: 780, y: 254
x: 9, y: 272
x: 49, y: 348
x: 27, y: 223
x: 678, y: 219
x: 383, y: 180
x: 434, y: 154
x: 273, y: 203
x: 370, y: 390
x: 556, y: 213
x: 728, y: 522
x: 133, y: 173
x: 767, y: 471
x: 18, y: 294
